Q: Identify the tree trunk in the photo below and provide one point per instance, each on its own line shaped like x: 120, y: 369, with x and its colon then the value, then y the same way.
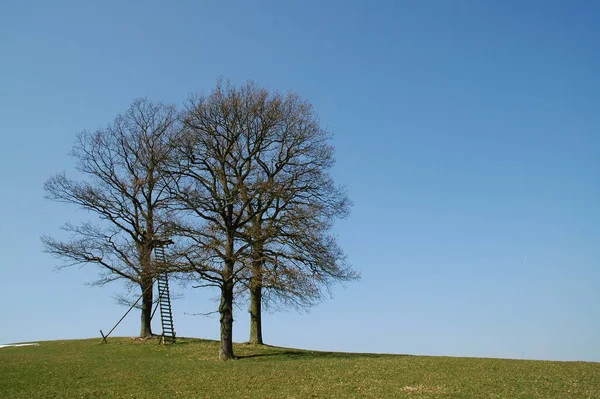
x: 226, y: 305
x: 256, y: 304
x: 146, y: 317
x: 226, y: 313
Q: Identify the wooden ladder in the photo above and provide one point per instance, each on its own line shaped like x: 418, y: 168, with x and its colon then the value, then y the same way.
x: 164, y: 299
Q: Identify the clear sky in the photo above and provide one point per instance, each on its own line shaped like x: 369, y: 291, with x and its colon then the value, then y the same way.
x: 467, y: 133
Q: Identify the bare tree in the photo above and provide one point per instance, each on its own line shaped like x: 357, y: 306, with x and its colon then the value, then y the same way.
x: 124, y: 186
x: 215, y: 183
x: 294, y: 257
x: 252, y: 178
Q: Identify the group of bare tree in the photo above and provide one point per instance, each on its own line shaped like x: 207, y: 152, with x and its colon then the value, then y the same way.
x: 239, y: 180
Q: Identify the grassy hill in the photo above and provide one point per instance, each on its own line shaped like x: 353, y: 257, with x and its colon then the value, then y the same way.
x: 125, y: 368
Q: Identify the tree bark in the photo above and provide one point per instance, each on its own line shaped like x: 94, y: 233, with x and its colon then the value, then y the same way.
x: 226, y: 305
x: 146, y: 316
x: 226, y: 313
x: 256, y: 304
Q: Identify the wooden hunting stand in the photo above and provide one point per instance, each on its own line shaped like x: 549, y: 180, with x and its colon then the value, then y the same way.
x: 164, y: 298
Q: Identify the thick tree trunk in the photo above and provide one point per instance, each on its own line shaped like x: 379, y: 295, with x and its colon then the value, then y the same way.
x: 256, y: 305
x: 226, y: 312
x: 146, y: 317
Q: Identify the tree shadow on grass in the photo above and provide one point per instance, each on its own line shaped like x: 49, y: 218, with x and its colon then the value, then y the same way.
x: 187, y: 341
x: 300, y: 354
x: 278, y: 352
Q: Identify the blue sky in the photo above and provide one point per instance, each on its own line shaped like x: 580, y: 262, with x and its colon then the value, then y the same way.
x: 467, y: 134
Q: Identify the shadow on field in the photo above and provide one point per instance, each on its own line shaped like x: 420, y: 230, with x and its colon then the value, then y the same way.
x: 187, y: 341
x: 297, y: 354
x: 278, y: 352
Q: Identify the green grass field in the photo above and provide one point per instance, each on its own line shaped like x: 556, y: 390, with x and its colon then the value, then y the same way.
x: 125, y: 368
